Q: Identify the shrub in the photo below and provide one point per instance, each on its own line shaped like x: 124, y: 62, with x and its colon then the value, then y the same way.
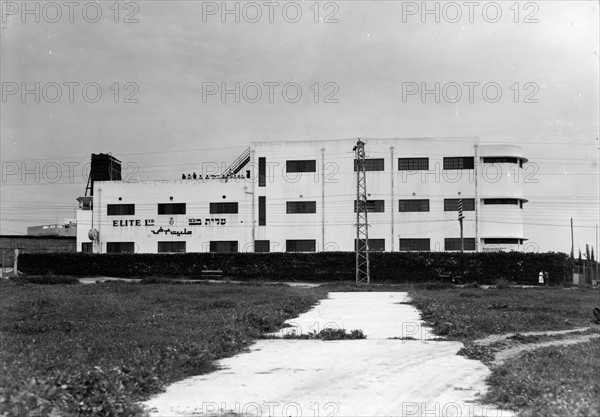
x: 502, y: 284
x: 391, y: 267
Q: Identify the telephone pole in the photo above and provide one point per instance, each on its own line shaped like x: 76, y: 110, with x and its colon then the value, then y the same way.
x: 363, y: 276
x: 460, y: 220
x: 572, y: 241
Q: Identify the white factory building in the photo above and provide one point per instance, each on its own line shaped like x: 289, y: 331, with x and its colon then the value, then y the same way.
x: 300, y: 197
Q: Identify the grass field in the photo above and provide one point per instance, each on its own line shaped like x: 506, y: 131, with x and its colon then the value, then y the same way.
x: 97, y: 349
x: 467, y: 314
x: 549, y: 382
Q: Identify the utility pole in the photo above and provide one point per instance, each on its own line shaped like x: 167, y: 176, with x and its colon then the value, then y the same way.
x: 460, y: 220
x: 572, y: 241
x: 363, y: 276
x: 462, y: 241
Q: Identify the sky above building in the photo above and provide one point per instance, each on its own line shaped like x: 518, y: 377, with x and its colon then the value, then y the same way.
x: 168, y: 86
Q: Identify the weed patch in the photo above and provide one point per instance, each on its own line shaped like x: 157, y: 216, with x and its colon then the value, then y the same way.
x: 328, y: 334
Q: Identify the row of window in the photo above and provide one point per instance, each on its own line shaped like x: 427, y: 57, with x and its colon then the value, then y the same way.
x: 304, y: 207
x: 306, y: 245
x: 170, y: 208
x: 404, y: 206
x: 378, y: 164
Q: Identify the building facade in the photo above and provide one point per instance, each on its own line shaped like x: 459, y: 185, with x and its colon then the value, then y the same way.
x: 301, y: 196
x: 68, y: 228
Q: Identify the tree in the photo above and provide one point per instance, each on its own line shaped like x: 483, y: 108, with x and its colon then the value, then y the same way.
x: 592, y: 255
x: 579, y: 256
x: 587, y: 252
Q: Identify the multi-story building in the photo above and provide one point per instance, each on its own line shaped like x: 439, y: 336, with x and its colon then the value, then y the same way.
x: 301, y: 196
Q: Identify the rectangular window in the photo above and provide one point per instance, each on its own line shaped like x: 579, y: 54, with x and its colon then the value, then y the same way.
x: 223, y: 208
x: 309, y: 165
x: 262, y: 211
x: 453, y: 243
x: 375, y: 206
x: 223, y: 246
x: 372, y: 164
x: 86, y: 247
x: 301, y: 207
x: 451, y: 204
x: 171, y: 208
x: 120, y: 247
x: 375, y: 245
x: 262, y: 246
x: 500, y: 160
x: 459, y: 162
x: 502, y: 241
x: 262, y: 172
x: 406, y: 206
x: 120, y: 209
x: 413, y: 164
x: 501, y: 201
x: 414, y: 245
x: 171, y: 247
x: 300, y: 245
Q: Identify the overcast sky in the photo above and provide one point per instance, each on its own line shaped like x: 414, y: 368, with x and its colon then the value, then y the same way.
x: 363, y: 55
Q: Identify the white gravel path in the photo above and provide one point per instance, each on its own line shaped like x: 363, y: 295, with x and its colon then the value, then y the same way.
x: 376, y: 376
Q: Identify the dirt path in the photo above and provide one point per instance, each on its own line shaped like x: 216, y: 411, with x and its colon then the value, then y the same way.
x: 377, y: 376
x: 506, y: 354
x: 490, y: 340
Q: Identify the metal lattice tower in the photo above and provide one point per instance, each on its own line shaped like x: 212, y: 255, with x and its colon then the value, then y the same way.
x: 363, y: 276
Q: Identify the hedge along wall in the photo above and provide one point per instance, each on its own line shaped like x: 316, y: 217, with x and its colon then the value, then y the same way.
x: 325, y: 266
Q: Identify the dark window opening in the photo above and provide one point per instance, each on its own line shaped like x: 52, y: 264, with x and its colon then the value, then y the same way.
x: 375, y: 206
x: 306, y: 245
x: 171, y: 208
x: 413, y: 205
x: 413, y: 164
x: 86, y: 247
x: 372, y: 164
x: 301, y: 207
x: 262, y: 211
x: 262, y: 172
x: 301, y: 166
x: 262, y: 246
x: 451, y: 204
x: 459, y: 162
x: 414, y: 245
x: 223, y: 208
x: 500, y: 160
x: 453, y: 243
x: 171, y: 247
x: 503, y: 241
x: 120, y: 209
x: 375, y: 245
x: 120, y: 247
x: 514, y: 201
x: 224, y: 246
